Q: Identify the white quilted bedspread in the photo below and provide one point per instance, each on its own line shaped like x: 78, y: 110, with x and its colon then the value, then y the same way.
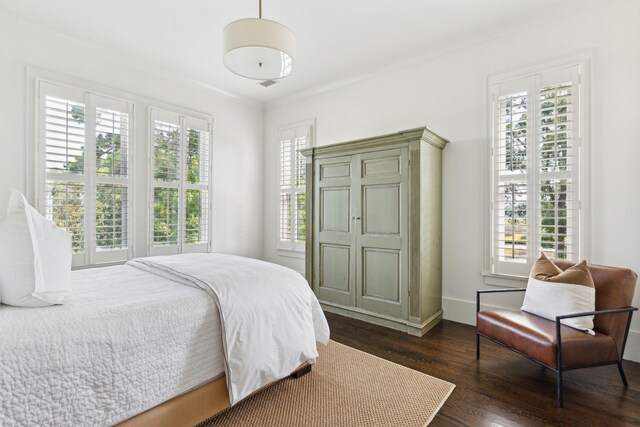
x: 125, y: 341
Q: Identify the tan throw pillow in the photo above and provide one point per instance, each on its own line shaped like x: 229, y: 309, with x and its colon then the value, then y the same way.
x: 552, y: 292
x: 544, y: 268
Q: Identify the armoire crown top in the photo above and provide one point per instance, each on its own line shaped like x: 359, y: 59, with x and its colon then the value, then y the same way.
x: 422, y: 133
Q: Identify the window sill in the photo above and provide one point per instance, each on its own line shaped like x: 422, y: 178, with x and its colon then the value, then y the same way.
x: 97, y: 265
x: 504, y: 280
x: 289, y: 253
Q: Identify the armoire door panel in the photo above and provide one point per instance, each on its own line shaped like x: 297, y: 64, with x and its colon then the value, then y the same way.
x: 381, y: 274
x: 335, y: 171
x: 381, y: 166
x: 335, y: 209
x: 381, y: 209
x: 334, y: 267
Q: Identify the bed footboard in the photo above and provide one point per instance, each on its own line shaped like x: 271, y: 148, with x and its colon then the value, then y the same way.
x: 195, y: 406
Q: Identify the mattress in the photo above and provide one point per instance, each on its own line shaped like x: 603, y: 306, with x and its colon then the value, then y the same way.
x: 125, y: 341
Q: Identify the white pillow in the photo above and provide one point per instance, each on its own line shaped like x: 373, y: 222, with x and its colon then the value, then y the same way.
x: 35, y: 257
x: 552, y: 292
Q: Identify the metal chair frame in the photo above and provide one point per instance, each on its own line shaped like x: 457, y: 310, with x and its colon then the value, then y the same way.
x: 559, y: 369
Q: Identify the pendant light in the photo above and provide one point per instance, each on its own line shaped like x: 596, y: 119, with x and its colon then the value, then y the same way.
x: 258, y: 48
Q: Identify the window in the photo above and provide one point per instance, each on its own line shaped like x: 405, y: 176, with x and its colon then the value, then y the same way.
x: 538, y: 163
x: 180, y: 183
x: 83, y: 171
x: 292, y: 182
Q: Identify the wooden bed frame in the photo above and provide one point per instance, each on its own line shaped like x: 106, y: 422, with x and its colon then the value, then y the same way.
x: 194, y: 406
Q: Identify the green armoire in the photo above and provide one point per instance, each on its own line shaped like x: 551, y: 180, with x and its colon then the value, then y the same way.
x: 374, y: 228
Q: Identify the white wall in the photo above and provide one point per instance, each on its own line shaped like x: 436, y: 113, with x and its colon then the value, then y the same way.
x: 448, y: 94
x: 237, y: 131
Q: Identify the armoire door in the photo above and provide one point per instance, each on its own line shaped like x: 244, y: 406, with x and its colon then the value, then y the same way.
x: 334, y: 234
x: 382, y: 262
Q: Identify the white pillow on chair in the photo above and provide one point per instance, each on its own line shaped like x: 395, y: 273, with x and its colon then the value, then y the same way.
x: 35, y: 257
x: 552, y: 292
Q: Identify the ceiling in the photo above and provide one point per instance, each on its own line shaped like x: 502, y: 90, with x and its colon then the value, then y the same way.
x: 338, y: 40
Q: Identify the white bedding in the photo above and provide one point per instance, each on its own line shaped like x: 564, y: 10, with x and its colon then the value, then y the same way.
x: 131, y: 340
x: 271, y: 320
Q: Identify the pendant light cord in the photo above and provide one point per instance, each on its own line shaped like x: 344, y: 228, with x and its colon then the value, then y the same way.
x: 260, y: 9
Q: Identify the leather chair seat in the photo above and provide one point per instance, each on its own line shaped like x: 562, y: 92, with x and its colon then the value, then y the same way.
x: 535, y: 337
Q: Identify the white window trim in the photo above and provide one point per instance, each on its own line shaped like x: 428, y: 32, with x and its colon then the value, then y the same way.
x: 289, y: 249
x: 138, y: 177
x: 582, y: 59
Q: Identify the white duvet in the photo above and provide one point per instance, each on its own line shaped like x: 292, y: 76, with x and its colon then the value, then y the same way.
x: 270, y: 318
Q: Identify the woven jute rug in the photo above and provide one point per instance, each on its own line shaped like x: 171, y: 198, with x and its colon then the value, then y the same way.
x: 346, y: 387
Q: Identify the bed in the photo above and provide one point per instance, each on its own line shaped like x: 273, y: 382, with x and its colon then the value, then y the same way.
x: 128, y: 346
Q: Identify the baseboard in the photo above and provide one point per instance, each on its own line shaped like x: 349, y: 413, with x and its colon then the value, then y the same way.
x: 459, y: 310
x: 464, y: 311
x: 632, y: 351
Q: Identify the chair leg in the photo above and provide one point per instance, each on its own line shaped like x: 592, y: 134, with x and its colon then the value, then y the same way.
x: 622, y: 375
x: 559, y: 387
x: 477, y: 346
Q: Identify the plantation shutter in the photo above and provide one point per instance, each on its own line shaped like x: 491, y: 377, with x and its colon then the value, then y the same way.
x: 535, y: 162
x: 83, y: 175
x: 557, y: 163
x: 167, y: 158
x: 286, y: 174
x: 300, y: 185
x: 196, y: 185
x: 61, y: 162
x: 180, y: 193
x: 111, y: 201
x: 292, y: 181
x: 511, y: 152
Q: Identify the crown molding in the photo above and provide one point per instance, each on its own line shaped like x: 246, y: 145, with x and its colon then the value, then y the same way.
x: 535, y: 20
x: 146, y: 66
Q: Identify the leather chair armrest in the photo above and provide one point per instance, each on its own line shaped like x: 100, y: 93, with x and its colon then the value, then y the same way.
x: 596, y: 313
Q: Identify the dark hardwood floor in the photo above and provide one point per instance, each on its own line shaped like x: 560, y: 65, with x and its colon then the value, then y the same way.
x: 502, y: 388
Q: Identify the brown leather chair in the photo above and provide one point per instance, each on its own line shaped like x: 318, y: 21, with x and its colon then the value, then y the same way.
x: 561, y: 348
